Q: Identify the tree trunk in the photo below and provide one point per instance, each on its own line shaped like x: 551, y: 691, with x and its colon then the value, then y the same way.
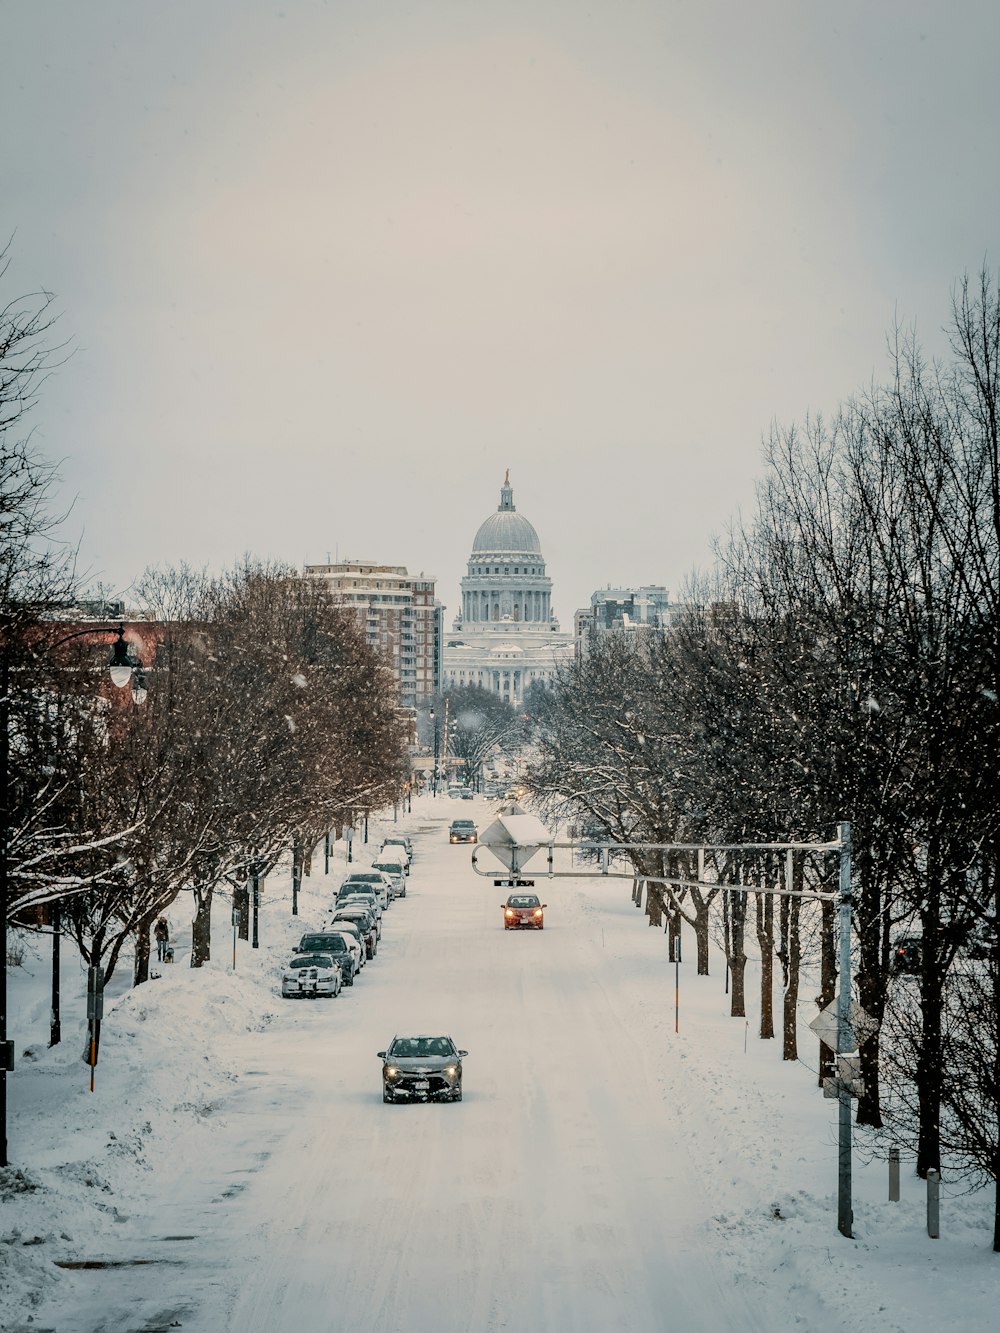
x: 929, y: 1071
x: 872, y: 980
x: 241, y: 906
x: 765, y: 939
x: 140, y: 967
x: 654, y: 904
x: 201, y: 925
x: 701, y: 920
x: 737, y: 957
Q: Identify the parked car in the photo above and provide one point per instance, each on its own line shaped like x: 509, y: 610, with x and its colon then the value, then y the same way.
x: 372, y: 893
x: 907, y: 954
x: 363, y: 897
x: 422, y: 1069
x: 395, y: 871
x: 311, y: 975
x: 355, y: 943
x: 462, y: 830
x: 400, y: 843
x: 333, y: 943
x: 523, y: 911
x: 361, y: 916
x: 371, y: 879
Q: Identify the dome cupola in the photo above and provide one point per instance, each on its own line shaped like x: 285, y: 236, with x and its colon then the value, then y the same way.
x: 506, y: 532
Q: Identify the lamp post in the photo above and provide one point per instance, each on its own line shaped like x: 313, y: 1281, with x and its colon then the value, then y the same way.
x: 437, y: 754
x: 121, y: 667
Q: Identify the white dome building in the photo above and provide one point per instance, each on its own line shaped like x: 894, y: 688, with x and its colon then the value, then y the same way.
x: 506, y: 635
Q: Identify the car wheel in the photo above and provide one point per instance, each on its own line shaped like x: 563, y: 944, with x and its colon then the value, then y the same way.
x: 386, y: 1097
x: 457, y: 1097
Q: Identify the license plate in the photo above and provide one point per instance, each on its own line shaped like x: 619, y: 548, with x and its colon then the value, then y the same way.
x: 421, y: 1084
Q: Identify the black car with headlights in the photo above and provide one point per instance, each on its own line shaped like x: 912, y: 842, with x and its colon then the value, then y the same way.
x: 334, y: 944
x: 422, y: 1069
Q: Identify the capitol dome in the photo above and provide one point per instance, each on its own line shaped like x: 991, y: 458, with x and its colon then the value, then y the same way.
x: 506, y: 532
x: 509, y: 633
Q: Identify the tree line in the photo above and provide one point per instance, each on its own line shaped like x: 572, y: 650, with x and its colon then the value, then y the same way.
x: 841, y: 661
x: 267, y: 719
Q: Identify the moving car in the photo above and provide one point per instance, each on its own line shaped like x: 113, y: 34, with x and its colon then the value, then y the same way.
x: 422, y: 1069
x: 462, y: 830
x: 523, y: 911
x: 906, y: 954
x: 311, y: 974
x: 331, y: 942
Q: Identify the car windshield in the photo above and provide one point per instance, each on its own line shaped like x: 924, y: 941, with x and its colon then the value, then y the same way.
x: 312, y: 960
x: 525, y: 900
x: 363, y: 877
x: 330, y: 943
x: 463, y: 823
x: 417, y: 1048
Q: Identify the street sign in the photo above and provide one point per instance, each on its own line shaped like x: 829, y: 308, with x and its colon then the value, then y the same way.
x: 860, y: 1027
x: 826, y: 1025
x: 514, y: 837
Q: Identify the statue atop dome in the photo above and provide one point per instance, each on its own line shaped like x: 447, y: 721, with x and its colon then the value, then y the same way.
x: 506, y: 495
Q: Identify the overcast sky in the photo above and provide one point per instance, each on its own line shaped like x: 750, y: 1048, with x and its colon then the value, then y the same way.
x: 329, y: 268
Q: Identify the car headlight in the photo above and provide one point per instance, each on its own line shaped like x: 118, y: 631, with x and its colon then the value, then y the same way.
x: 509, y: 912
x: 391, y: 1071
x: 538, y: 912
x: 451, y: 1070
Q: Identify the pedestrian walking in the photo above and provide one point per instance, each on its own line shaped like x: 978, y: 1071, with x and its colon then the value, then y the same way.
x: 161, y: 933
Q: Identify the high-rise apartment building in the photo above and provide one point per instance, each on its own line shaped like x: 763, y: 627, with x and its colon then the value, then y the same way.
x: 400, y: 616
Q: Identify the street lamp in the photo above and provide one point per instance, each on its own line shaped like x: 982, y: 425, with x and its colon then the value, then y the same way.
x: 121, y: 667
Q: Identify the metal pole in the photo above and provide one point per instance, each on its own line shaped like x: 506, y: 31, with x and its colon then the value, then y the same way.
x: 366, y: 826
x: 894, y: 1175
x: 55, y: 1025
x: 296, y: 878
x: 845, y: 1210
x: 326, y: 853
x: 677, y: 988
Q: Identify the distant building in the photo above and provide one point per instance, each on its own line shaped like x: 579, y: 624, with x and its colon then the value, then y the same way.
x: 621, y: 609
x: 400, y: 617
x: 506, y: 636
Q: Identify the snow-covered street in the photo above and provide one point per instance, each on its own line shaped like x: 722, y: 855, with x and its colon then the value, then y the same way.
x: 236, y: 1168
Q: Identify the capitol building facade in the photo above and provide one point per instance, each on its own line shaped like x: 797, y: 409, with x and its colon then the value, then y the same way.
x: 506, y: 635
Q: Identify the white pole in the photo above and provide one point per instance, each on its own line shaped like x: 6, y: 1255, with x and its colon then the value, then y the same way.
x: 934, y: 1203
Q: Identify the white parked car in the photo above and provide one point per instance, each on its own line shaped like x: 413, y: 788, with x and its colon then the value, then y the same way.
x: 310, y: 975
x: 369, y: 879
x: 395, y: 872
x: 399, y: 848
